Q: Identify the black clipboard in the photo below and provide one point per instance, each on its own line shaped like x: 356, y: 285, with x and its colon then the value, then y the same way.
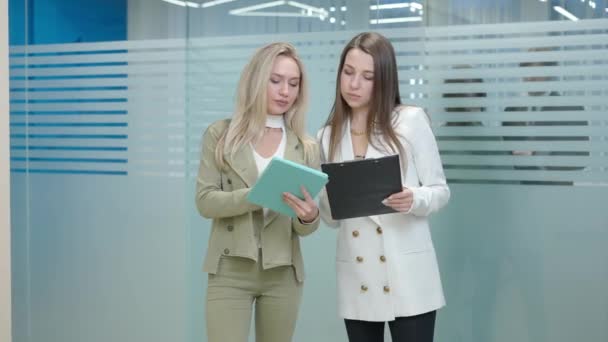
x: 357, y: 188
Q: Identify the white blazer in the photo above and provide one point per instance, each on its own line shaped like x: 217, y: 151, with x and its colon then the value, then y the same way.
x: 386, y: 264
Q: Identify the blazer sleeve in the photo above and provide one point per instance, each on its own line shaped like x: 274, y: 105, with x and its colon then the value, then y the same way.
x: 211, y: 201
x: 303, y: 229
x: 324, y: 208
x: 433, y: 192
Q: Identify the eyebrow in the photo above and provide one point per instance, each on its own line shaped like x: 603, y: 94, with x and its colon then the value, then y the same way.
x: 282, y: 76
x: 352, y: 67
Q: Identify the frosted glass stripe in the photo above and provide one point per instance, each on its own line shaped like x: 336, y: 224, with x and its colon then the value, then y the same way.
x: 66, y: 118
x: 158, y: 95
x: 219, y: 67
x: 544, y: 131
x: 70, y: 166
x: 575, y: 40
x: 440, y: 116
x: 340, y: 36
x: 434, y: 49
x: 133, y: 82
x: 63, y: 154
x: 543, y: 175
x: 128, y: 57
x: 142, y: 104
x: 67, y: 106
x: 70, y: 95
x: 69, y: 130
x: 520, y: 101
x: 516, y: 86
x: 168, y: 68
x: 526, y: 160
x: 157, y: 44
x: 527, y: 28
x: 505, y: 72
x: 591, y: 146
x: 559, y: 56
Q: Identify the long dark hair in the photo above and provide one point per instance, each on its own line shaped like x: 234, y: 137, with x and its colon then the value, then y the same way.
x: 385, y: 94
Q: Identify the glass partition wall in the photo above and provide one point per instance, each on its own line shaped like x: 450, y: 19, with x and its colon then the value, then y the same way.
x: 109, y: 100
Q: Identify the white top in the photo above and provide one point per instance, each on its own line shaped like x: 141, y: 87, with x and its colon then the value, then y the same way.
x: 272, y: 121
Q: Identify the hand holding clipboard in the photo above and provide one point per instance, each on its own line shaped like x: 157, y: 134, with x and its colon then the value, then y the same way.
x: 357, y: 188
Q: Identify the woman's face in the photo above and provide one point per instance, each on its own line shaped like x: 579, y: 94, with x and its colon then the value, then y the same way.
x: 283, y: 86
x: 357, y: 79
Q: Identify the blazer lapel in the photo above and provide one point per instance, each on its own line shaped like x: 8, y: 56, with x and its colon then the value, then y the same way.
x: 244, y: 165
x: 372, y: 152
x: 292, y: 147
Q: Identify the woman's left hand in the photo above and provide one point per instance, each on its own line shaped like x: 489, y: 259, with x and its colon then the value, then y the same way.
x: 307, y: 209
x: 400, y: 201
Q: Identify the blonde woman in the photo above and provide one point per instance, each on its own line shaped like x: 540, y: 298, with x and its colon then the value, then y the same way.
x: 254, y: 259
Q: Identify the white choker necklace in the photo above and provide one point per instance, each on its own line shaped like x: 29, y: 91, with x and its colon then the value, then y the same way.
x: 275, y: 121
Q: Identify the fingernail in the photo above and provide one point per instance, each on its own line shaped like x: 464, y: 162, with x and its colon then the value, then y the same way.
x: 384, y: 201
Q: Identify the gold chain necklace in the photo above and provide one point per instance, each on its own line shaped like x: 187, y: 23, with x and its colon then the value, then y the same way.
x: 357, y: 133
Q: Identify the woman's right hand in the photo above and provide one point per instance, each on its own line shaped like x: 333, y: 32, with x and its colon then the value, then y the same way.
x: 400, y: 201
x: 306, y: 210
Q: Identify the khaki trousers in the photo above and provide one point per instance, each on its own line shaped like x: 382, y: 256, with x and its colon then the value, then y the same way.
x: 239, y: 286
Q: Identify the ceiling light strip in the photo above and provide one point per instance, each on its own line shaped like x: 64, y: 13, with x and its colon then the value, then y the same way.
x: 565, y: 13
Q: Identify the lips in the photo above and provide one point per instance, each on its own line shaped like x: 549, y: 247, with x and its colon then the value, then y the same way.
x: 353, y: 96
x: 282, y: 103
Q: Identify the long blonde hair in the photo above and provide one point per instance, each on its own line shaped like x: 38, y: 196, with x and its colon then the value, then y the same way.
x: 251, y: 107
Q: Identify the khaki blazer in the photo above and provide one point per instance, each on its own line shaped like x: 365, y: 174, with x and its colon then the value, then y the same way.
x: 221, y: 195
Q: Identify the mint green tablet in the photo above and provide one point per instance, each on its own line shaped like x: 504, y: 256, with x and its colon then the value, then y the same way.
x: 281, y: 176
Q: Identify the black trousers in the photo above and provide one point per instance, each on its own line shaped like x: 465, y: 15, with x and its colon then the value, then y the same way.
x: 418, y: 328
